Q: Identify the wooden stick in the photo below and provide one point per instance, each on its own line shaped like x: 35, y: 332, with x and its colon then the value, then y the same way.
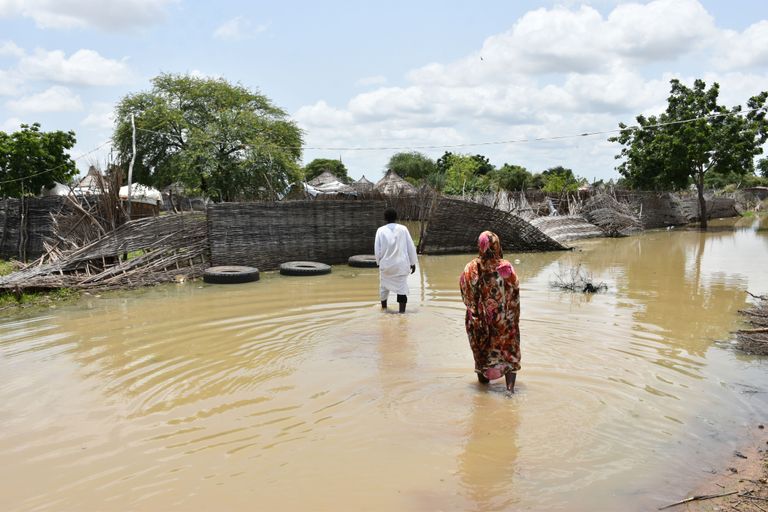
x: 762, y: 329
x: 698, y: 498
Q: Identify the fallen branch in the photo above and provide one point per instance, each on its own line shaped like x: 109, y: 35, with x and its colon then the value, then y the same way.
x: 698, y: 498
x: 746, y: 331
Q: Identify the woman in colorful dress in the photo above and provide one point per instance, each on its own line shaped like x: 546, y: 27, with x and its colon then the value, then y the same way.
x: 490, y: 290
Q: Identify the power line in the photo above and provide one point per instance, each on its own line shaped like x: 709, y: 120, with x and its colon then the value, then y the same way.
x: 58, y: 166
x: 471, y: 144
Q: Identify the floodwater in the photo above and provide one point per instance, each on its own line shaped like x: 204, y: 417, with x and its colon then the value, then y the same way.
x: 300, y: 393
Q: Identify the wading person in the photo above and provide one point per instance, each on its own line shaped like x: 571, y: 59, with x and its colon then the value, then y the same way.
x: 490, y: 290
x: 396, y: 256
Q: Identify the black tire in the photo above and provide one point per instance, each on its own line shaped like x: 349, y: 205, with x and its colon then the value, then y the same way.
x: 363, y: 261
x: 304, y: 268
x: 231, y: 274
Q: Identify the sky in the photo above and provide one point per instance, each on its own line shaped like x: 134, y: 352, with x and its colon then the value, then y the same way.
x: 365, y: 80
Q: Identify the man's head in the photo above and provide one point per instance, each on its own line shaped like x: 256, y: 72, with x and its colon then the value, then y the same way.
x: 390, y: 215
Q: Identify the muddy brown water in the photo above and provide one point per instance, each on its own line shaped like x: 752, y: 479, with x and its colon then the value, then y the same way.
x: 299, y: 393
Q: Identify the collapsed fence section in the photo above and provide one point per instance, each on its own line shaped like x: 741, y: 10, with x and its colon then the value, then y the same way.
x: 266, y: 234
x: 141, y: 252
x: 455, y: 225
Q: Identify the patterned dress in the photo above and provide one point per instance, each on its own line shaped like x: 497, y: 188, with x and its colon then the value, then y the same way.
x: 490, y: 290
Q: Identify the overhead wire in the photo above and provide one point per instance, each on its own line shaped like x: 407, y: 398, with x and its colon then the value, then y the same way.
x: 423, y: 146
x: 472, y: 144
x: 58, y: 166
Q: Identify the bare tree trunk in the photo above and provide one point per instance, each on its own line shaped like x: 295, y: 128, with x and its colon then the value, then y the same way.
x: 702, y: 202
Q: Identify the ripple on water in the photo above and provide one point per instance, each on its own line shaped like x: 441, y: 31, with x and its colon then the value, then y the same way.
x: 193, y: 393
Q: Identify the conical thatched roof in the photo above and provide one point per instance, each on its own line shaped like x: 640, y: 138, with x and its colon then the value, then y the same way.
x: 393, y: 185
x: 328, y: 183
x: 363, y: 185
x: 323, y: 178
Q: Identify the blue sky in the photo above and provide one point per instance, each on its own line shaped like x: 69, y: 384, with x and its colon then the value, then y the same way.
x: 388, y: 74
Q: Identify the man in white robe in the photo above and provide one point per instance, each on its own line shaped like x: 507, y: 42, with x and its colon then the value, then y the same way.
x: 396, y: 256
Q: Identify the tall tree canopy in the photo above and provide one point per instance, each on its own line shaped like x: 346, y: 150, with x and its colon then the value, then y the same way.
x: 31, y: 159
x: 512, y: 178
x: 317, y: 166
x: 559, y: 180
x: 462, y: 173
x: 694, y: 137
x: 413, y: 166
x: 227, y: 141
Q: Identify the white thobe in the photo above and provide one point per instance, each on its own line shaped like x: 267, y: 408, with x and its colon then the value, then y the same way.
x: 395, y: 253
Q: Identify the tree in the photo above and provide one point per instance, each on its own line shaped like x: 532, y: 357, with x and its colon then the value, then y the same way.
x: 559, y: 180
x: 694, y: 137
x: 223, y: 139
x: 511, y: 178
x: 462, y: 174
x: 31, y: 159
x: 762, y: 167
x: 413, y: 166
x: 317, y: 166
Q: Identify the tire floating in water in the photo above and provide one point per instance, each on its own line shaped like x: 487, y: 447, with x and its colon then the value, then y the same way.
x: 231, y: 274
x: 363, y: 261
x: 304, y: 268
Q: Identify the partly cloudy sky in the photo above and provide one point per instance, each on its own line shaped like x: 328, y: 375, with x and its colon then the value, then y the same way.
x: 365, y: 79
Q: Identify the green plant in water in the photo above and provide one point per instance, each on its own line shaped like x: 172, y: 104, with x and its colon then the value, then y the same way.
x: 6, y: 267
x: 10, y: 299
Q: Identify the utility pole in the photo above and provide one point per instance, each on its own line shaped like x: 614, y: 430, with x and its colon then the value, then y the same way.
x: 130, y: 166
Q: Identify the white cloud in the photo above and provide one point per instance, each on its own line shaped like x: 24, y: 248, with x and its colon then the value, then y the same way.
x: 84, y: 67
x: 10, y: 83
x: 102, y: 14
x: 744, y: 50
x: 12, y: 124
x: 10, y: 49
x: 101, y: 116
x: 372, y: 80
x: 237, y: 29
x: 53, y: 99
x: 555, y: 72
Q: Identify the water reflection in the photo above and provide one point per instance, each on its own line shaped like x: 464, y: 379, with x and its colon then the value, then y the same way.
x: 292, y: 392
x: 488, y: 461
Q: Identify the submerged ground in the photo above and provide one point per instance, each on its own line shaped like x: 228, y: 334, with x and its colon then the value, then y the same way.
x: 301, y: 393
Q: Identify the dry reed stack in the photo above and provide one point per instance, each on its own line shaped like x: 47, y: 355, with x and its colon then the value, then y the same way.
x: 139, y: 253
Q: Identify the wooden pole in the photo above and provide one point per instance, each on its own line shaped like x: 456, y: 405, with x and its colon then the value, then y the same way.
x: 130, y: 166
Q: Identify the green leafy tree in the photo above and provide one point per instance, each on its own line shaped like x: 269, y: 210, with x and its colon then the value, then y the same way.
x: 319, y: 165
x: 462, y: 174
x: 762, y: 167
x: 559, y: 180
x: 413, y: 166
x: 31, y: 159
x: 511, y: 178
x: 694, y: 137
x: 223, y: 139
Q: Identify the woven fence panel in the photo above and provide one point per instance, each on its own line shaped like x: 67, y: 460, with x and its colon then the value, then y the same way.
x: 660, y: 210
x: 565, y: 228
x: 455, y: 225
x: 25, y: 224
x: 266, y: 234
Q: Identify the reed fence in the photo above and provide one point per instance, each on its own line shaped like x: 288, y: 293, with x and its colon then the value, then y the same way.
x: 455, y: 225
x: 266, y: 234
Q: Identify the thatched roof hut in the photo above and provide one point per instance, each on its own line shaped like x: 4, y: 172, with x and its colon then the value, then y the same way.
x: 327, y: 183
x: 323, y: 179
x: 362, y: 185
x: 393, y: 185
